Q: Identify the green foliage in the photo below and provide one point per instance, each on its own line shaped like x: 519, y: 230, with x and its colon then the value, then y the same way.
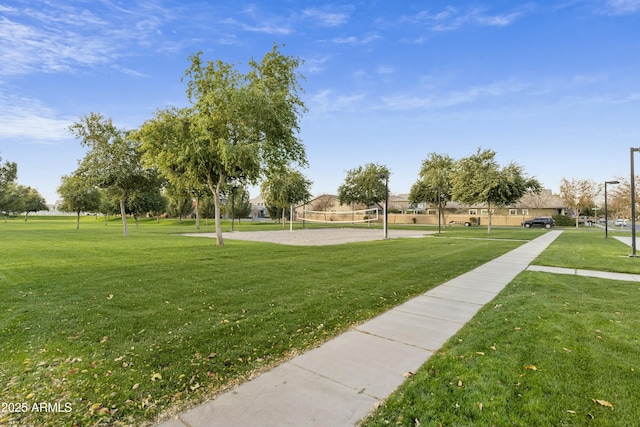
x: 434, y: 184
x: 564, y: 221
x: 113, y: 161
x: 364, y: 185
x: 285, y: 187
x: 479, y: 179
x: 238, y: 126
x: 8, y: 173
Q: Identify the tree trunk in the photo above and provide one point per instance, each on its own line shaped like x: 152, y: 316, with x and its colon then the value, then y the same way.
x: 197, y: 213
x: 489, y: 226
x: 78, y: 221
x: 124, y: 217
x: 216, y: 203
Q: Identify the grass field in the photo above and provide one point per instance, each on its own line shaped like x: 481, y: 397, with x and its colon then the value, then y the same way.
x: 550, y: 350
x: 107, y: 330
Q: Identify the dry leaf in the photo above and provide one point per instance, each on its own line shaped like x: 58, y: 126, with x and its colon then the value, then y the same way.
x: 566, y: 349
x: 110, y: 296
x: 29, y: 396
x: 570, y: 411
x: 376, y: 405
x: 493, y: 347
x: 135, y: 386
x: 603, y: 403
x: 459, y: 383
x: 156, y: 376
x: 480, y: 405
x: 481, y: 353
x: 407, y: 374
x: 531, y: 367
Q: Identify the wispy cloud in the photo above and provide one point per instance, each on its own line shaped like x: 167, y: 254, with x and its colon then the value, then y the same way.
x: 621, y: 7
x: 356, y: 41
x: 27, y: 118
x: 63, y: 37
x: 411, y: 101
x: 452, y: 18
x: 328, y: 101
x: 326, y: 17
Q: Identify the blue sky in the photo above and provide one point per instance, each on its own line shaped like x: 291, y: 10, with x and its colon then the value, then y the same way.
x: 551, y: 85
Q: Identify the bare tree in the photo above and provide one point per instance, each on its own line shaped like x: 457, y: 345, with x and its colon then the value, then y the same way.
x: 579, y: 194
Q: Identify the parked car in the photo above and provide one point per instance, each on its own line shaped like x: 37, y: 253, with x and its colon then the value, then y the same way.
x: 539, y: 222
x: 620, y: 222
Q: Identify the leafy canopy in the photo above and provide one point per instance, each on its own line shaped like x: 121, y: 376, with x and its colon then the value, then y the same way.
x: 364, y: 185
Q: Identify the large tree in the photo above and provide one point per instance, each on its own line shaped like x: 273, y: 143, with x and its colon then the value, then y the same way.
x: 78, y: 196
x: 238, y: 126
x: 32, y: 201
x: 435, y: 182
x: 479, y: 179
x: 284, y: 189
x: 579, y: 195
x: 113, y: 160
x: 8, y: 174
x: 364, y: 185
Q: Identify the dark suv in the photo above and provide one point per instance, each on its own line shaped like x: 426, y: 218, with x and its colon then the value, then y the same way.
x: 539, y: 222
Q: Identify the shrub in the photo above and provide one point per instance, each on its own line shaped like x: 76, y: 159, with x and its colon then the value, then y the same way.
x: 564, y: 221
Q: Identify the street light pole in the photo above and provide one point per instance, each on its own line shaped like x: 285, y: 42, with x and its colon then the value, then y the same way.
x: 606, y: 210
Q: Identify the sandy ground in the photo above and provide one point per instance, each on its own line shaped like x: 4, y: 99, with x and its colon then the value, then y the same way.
x: 316, y: 237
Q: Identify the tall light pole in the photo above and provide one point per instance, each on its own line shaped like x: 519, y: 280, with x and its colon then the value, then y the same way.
x: 633, y: 205
x: 606, y: 210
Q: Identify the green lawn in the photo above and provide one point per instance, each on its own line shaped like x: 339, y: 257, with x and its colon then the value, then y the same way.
x: 108, y: 330
x: 550, y: 350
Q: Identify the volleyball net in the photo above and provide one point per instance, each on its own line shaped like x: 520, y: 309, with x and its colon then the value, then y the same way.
x: 343, y: 217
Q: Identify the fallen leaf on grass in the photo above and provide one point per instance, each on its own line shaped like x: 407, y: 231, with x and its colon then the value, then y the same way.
x: 480, y: 406
x: 156, y: 376
x: 135, y: 386
x: 566, y: 349
x: 481, y: 353
x: 571, y: 411
x: 407, y: 374
x: 493, y: 347
x: 531, y: 367
x: 603, y: 403
x: 110, y: 296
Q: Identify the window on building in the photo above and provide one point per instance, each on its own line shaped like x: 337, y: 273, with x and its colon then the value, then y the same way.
x: 525, y: 211
x: 513, y: 211
x: 473, y: 212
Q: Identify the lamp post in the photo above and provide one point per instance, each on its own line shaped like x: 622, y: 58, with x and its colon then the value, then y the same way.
x: 633, y: 205
x: 606, y: 210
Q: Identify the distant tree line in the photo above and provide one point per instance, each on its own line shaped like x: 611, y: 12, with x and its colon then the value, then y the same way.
x: 16, y: 198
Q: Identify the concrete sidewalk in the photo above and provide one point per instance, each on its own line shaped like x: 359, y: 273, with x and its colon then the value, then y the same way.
x: 338, y: 383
